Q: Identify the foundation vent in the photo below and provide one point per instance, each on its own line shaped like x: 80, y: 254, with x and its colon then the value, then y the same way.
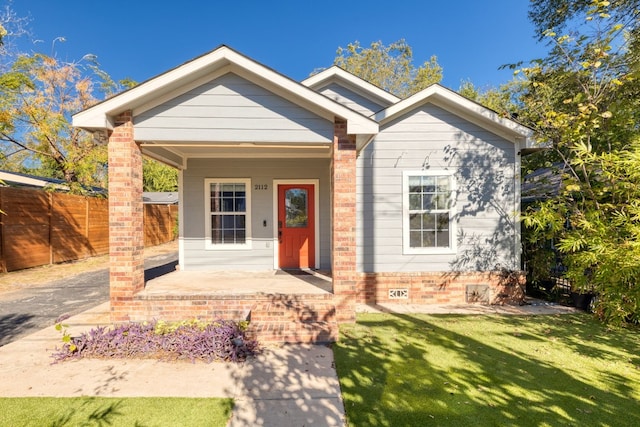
x: 478, y: 293
x: 401, y: 293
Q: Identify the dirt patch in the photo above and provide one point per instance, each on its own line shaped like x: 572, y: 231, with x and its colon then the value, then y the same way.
x: 32, y: 277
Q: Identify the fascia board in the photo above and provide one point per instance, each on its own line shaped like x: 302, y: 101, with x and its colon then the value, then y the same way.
x: 145, y: 91
x: 97, y: 117
x: 364, y: 88
x: 457, y: 104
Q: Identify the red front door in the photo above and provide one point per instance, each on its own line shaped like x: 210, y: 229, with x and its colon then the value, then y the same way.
x: 296, y: 226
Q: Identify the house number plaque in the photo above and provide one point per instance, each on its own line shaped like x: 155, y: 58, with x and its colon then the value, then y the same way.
x: 261, y: 187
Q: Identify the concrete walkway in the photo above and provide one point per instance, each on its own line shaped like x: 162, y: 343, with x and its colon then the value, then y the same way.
x: 292, y: 385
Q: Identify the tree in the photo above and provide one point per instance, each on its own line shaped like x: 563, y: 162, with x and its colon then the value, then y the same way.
x: 158, y: 177
x: 37, y: 97
x: 499, y: 99
x: 389, y: 67
x: 584, y: 99
x: 12, y: 28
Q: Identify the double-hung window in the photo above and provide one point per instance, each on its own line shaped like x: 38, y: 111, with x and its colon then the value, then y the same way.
x: 228, y: 213
x: 428, y: 212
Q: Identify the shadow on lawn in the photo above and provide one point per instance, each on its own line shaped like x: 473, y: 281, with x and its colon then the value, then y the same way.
x: 418, y: 372
x: 104, y: 415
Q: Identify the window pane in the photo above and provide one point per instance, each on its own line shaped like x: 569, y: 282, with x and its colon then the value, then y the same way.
x: 415, y: 202
x: 415, y: 239
x: 227, y: 204
x: 442, y: 201
x: 296, y: 206
x: 240, y: 205
x: 228, y: 221
x: 443, y: 184
x: 429, y: 221
x: 415, y: 222
x: 443, y: 239
x: 428, y: 239
x: 428, y: 184
x: 443, y: 221
x: 428, y: 202
x: 415, y: 184
x: 215, y: 204
x: 229, y: 236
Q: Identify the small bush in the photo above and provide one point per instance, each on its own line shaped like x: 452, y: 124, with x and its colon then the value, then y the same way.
x: 221, y: 340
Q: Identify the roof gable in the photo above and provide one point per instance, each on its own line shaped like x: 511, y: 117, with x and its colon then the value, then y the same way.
x: 337, y: 76
x: 207, y: 67
x: 465, y: 108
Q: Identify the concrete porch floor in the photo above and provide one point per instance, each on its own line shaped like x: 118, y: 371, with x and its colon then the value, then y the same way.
x: 218, y: 283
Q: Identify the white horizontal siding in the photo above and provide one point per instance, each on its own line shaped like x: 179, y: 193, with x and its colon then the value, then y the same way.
x: 260, y: 256
x: 430, y: 138
x: 231, y: 109
x: 350, y: 99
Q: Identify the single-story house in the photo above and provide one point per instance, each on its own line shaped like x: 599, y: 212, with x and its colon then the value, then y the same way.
x: 23, y: 180
x: 412, y: 200
x: 160, y: 198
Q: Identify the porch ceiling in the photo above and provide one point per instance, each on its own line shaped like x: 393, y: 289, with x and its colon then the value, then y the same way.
x: 177, y: 153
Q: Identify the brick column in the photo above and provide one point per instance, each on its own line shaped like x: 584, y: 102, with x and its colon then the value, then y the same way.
x: 343, y: 222
x: 126, y: 233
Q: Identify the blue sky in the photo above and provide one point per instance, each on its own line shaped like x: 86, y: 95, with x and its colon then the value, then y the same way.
x: 140, y: 39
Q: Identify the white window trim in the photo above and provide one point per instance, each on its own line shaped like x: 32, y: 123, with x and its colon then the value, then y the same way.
x: 207, y: 209
x: 406, y: 244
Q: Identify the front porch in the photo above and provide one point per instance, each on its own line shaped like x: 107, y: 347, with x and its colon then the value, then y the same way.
x: 281, y: 306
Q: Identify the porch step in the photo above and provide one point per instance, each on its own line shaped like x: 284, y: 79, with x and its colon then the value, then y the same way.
x: 294, y: 320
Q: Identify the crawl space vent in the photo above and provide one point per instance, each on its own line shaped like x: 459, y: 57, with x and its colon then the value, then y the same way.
x: 478, y: 293
x: 402, y: 293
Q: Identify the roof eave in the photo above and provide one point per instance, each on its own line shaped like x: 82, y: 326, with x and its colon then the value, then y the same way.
x: 447, y: 99
x: 100, y: 115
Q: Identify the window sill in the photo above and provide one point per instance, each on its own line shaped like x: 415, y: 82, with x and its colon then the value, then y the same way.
x: 429, y: 251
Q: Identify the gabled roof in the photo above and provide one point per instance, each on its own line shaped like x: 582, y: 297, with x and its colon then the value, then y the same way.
x: 455, y: 103
x: 353, y: 82
x: 203, y: 69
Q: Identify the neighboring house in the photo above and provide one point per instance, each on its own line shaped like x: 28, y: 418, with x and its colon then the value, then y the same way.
x: 23, y: 180
x: 160, y: 197
x: 409, y: 201
x: 15, y: 179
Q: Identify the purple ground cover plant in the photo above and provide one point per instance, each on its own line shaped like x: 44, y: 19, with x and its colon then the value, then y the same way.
x: 221, y: 340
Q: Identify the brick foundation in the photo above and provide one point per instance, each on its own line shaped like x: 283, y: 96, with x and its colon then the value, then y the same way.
x: 273, y: 318
x: 441, y: 288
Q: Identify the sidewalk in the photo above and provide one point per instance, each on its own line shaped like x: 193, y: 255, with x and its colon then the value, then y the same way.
x: 291, y: 385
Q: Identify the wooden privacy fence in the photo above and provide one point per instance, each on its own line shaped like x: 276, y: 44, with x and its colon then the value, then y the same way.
x: 39, y: 228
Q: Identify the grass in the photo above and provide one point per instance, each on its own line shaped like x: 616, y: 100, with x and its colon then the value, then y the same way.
x: 448, y: 370
x: 103, y: 411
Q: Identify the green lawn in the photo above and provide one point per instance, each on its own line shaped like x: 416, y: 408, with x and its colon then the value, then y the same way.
x: 102, y: 411
x: 448, y: 370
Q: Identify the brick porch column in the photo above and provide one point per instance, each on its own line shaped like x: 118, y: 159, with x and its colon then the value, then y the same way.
x: 343, y: 222
x: 126, y: 235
